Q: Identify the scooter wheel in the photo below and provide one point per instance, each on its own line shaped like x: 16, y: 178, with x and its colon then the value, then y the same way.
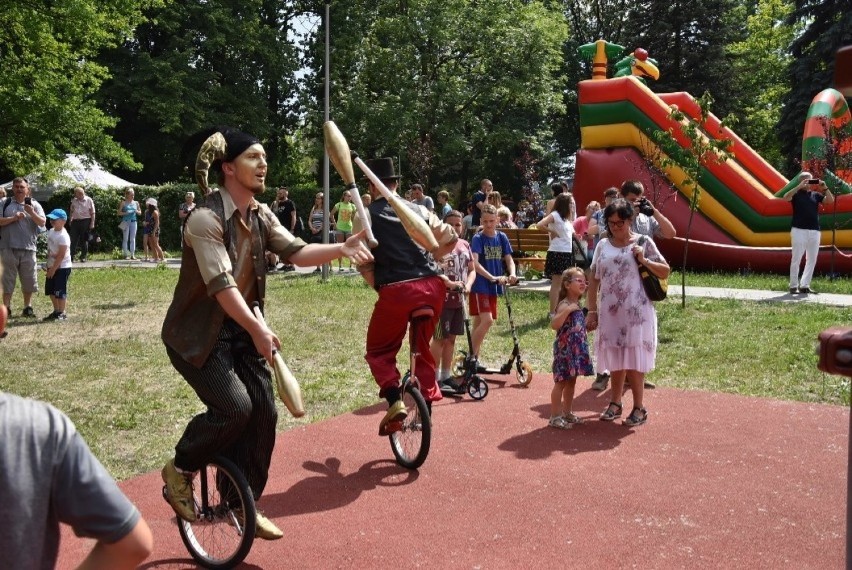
x: 525, y: 374
x: 458, y: 366
x: 477, y: 388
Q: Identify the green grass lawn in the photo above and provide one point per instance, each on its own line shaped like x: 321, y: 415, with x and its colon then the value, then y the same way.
x: 107, y: 369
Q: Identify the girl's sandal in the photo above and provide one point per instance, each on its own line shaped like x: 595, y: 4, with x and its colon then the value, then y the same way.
x: 637, y: 417
x: 572, y: 418
x: 558, y: 422
x: 611, y: 412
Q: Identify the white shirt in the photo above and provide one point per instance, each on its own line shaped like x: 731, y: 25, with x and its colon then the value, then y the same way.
x: 564, y: 229
x: 55, y: 240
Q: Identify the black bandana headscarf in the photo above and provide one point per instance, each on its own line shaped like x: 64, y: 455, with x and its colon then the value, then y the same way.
x: 219, y: 144
x: 237, y: 142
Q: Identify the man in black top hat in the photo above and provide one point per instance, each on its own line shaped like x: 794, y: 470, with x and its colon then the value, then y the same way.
x: 406, y: 278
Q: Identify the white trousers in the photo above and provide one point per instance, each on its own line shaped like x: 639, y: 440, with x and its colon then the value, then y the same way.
x: 805, y: 243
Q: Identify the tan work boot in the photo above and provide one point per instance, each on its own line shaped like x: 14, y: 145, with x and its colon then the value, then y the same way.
x: 179, y: 492
x: 392, y: 422
x: 266, y: 529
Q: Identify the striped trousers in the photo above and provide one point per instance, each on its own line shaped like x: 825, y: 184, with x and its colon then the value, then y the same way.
x: 235, y: 384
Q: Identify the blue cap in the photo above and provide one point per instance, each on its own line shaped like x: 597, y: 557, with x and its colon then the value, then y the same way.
x: 58, y: 214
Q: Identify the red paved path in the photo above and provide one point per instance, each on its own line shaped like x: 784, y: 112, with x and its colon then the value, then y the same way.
x: 711, y: 481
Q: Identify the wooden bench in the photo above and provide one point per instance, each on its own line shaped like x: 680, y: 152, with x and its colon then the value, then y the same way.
x: 526, y: 242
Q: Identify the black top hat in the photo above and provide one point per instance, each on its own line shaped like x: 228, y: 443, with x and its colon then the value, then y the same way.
x: 382, y: 168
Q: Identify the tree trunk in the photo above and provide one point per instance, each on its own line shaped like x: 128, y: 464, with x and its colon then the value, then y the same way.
x: 685, y: 252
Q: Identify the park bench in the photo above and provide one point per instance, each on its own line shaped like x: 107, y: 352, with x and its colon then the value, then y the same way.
x: 529, y: 247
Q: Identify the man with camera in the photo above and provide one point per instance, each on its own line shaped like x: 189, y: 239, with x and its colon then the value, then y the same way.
x: 648, y: 220
x: 20, y: 221
x: 805, y: 198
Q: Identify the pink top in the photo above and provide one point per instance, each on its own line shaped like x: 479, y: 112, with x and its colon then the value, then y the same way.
x: 581, y: 228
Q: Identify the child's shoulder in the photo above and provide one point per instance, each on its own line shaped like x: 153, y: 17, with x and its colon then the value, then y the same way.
x: 462, y: 245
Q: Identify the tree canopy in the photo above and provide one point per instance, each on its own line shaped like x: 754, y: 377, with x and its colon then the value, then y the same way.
x: 760, y: 63
x: 455, y: 90
x: 828, y: 27
x: 193, y: 65
x: 49, y: 76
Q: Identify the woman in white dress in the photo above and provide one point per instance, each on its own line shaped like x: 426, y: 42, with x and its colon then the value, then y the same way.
x: 626, y: 321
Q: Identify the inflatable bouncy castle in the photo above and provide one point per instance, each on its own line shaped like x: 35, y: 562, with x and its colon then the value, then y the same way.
x: 741, y: 223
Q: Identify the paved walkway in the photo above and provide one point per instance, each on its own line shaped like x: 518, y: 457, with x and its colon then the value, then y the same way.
x: 720, y: 293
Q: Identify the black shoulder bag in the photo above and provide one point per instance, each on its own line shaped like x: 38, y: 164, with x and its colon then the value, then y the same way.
x: 655, y: 288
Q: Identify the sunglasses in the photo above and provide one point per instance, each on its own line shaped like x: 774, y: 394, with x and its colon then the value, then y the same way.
x: 616, y: 224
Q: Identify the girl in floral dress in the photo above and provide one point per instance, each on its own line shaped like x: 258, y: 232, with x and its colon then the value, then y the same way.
x: 570, y: 349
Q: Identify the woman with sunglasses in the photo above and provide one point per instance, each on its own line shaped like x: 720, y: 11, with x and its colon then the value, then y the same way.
x: 626, y: 341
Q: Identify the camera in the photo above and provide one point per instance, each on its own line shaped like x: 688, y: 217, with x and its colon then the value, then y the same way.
x: 28, y: 201
x: 814, y: 181
x: 645, y: 207
x: 835, y: 351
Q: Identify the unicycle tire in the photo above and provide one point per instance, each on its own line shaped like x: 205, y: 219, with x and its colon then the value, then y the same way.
x: 477, y: 388
x: 224, y: 531
x: 410, y: 444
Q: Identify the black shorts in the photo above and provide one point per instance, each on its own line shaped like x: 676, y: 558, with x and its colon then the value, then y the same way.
x: 58, y: 284
x: 450, y: 323
x: 557, y: 262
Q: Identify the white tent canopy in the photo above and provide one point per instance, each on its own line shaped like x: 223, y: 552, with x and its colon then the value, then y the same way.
x: 76, y: 170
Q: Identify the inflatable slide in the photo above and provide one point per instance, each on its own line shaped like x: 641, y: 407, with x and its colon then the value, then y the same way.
x: 740, y: 223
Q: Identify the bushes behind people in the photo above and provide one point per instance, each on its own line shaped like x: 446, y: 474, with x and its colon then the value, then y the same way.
x: 169, y: 198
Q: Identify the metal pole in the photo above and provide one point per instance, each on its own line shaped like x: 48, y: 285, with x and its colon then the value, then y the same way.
x: 325, y: 166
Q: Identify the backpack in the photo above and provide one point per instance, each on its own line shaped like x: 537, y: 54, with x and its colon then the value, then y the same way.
x: 6, y: 203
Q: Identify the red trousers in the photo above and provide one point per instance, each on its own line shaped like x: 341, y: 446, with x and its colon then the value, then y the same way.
x: 388, y: 325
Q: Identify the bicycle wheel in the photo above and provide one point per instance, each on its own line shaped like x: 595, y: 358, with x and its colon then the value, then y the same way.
x: 410, y: 444
x: 222, y: 535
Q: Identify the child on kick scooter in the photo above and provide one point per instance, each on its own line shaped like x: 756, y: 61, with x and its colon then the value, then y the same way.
x: 570, y: 349
x: 491, y: 252
x: 458, y: 273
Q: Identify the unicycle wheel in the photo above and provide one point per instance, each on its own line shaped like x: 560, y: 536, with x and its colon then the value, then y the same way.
x: 525, y: 374
x: 410, y: 444
x: 224, y: 531
x: 477, y: 388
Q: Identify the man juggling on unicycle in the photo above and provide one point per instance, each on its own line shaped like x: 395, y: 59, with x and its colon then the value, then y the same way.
x: 406, y: 278
x: 211, y: 335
